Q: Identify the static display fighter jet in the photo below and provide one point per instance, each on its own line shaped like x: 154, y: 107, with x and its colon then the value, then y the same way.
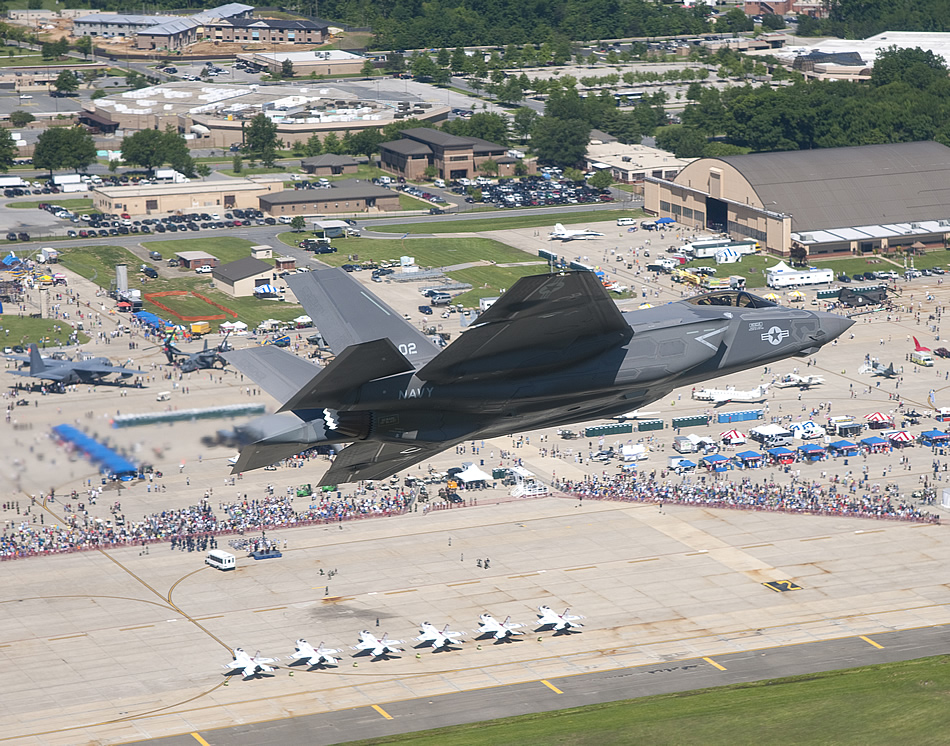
x: 192, y: 361
x: 66, y: 372
x: 319, y: 656
x: 560, y: 233
x: 552, y: 351
x: 878, y: 369
x: 802, y: 382
x: 558, y: 622
x: 440, y: 640
x: 488, y: 625
x: 250, y: 665
x: 379, y: 647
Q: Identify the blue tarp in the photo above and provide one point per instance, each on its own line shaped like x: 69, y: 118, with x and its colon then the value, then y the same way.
x: 780, y: 451
x: 714, y: 458
x: 873, y: 441
x: 935, y: 435
x: 664, y: 221
x: 150, y: 319
x: 109, y: 461
x: 749, y: 455
x: 685, y: 463
x: 810, y: 448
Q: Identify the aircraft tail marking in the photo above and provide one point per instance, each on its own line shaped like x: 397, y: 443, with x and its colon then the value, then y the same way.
x: 918, y: 347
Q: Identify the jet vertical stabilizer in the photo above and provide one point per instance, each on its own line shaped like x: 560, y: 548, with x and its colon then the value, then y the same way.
x: 37, y: 365
x: 348, y: 314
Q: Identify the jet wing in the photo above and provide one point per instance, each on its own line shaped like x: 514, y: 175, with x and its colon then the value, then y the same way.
x: 107, y: 369
x: 371, y: 459
x: 50, y: 375
x: 542, y: 322
x: 279, y: 373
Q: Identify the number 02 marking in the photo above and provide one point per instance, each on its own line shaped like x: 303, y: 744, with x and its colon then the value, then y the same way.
x: 408, y: 349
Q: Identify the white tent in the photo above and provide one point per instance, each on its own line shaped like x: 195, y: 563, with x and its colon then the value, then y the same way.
x: 473, y: 474
x: 780, y: 267
x: 727, y: 256
x: 634, y: 452
x: 303, y: 320
x: 265, y: 290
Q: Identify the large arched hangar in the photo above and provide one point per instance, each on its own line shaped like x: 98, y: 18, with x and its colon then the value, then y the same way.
x: 831, y: 201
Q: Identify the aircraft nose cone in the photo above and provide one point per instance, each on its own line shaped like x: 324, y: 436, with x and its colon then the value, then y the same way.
x: 833, y: 325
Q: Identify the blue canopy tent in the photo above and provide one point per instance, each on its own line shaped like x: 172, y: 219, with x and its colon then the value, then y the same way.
x: 664, y: 221
x: 781, y: 455
x: 812, y: 452
x: 717, y: 461
x: 750, y: 459
x: 684, y: 463
x: 934, y: 438
x: 876, y: 444
x: 843, y: 446
x: 109, y: 461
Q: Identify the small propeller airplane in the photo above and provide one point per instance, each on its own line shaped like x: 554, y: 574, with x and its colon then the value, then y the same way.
x: 319, y: 656
x: 251, y: 665
x: 559, y: 622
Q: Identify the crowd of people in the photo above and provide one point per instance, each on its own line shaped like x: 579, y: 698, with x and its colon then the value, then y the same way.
x: 188, y: 527
x: 797, y: 497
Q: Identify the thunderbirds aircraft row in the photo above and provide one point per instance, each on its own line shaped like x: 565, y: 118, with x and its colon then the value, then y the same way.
x: 382, y: 647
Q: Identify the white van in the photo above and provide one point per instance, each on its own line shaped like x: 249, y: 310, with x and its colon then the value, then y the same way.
x: 439, y: 183
x: 221, y: 560
x: 920, y: 357
x: 626, y: 221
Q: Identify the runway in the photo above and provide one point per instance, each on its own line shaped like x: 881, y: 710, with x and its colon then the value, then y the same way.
x: 545, y: 695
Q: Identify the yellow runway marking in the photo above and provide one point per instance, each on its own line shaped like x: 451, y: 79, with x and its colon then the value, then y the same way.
x: 129, y: 629
x: 869, y: 641
x: 648, y: 559
x: 200, y: 740
x: 68, y: 637
x: 393, y: 593
x: 276, y: 608
x: 713, y: 663
x: 382, y: 712
x: 206, y: 618
x: 816, y: 538
x: 694, y: 554
x: 527, y: 575
x: 551, y: 686
x: 575, y: 569
x: 467, y: 582
x: 756, y: 546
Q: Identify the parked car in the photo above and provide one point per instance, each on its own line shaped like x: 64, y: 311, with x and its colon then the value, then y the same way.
x: 843, y: 278
x: 427, y: 310
x: 205, y: 270
x: 942, y: 352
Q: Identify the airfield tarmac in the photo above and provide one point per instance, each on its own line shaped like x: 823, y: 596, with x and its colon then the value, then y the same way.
x: 121, y: 645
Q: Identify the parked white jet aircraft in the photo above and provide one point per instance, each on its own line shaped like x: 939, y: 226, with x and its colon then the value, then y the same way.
x: 549, y: 617
x: 315, y: 656
x: 488, y: 625
x: 724, y: 396
x: 560, y: 233
x: 438, y: 639
x: 379, y: 646
x: 803, y: 382
x: 251, y: 665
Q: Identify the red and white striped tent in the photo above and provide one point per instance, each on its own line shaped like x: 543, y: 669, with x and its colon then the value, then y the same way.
x: 901, y: 437
x: 878, y: 417
x: 733, y: 436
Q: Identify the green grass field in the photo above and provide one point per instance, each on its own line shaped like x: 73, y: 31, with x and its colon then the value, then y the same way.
x: 79, y: 206
x: 22, y: 331
x: 428, y: 252
x: 509, y: 223
x: 97, y: 263
x: 20, y: 60
x: 872, y: 706
x: 408, y: 202
x: 488, y: 282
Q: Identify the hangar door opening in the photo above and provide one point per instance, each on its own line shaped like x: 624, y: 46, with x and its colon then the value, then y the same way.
x: 717, y: 215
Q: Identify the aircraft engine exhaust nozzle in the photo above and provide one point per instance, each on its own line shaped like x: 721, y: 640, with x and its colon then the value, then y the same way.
x: 357, y: 425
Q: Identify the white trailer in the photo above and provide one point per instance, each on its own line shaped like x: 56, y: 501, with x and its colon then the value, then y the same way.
x: 80, y: 187
x: 709, y: 248
x: 11, y: 182
x: 67, y: 179
x: 795, y: 279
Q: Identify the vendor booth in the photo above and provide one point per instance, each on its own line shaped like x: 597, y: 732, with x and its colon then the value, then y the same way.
x: 876, y: 444
x: 749, y: 459
x: 717, y: 462
x: 781, y: 455
x: 811, y: 452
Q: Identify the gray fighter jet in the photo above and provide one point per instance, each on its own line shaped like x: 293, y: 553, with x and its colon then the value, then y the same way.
x: 64, y: 372
x: 553, y: 350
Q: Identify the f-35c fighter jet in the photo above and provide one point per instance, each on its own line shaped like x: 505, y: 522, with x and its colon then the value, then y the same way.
x: 553, y: 350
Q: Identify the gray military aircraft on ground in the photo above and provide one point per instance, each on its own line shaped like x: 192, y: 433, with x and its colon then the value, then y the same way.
x: 191, y: 361
x: 66, y: 372
x: 553, y: 350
